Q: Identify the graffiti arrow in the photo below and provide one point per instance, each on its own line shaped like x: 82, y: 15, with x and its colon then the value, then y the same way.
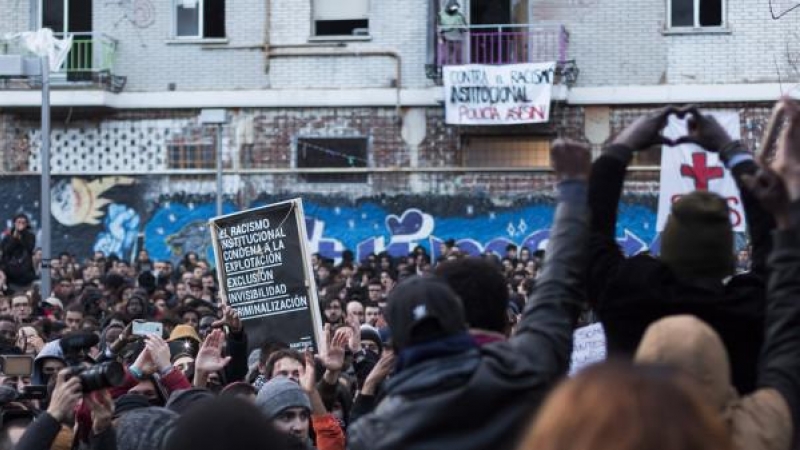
x: 631, y: 244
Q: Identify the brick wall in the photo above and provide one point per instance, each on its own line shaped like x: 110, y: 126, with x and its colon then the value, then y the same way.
x: 15, y: 16
x: 144, y: 28
x: 618, y: 43
x: 393, y: 25
x: 151, y: 62
x: 135, y: 142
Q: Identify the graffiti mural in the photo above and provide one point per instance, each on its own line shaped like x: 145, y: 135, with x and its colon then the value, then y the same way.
x: 398, y: 224
x: 100, y: 213
x: 118, y: 215
x: 178, y: 227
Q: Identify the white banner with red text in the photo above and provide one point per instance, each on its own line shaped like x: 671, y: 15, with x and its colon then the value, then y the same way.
x: 508, y: 94
x: 686, y: 168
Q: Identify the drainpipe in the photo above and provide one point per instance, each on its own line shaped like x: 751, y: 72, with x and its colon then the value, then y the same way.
x: 267, y: 28
x: 303, y: 50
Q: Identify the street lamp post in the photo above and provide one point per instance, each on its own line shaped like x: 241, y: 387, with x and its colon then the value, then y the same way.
x: 216, y: 117
x: 19, y: 66
x: 45, y: 183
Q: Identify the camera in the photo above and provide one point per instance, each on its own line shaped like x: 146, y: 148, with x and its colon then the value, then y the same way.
x: 100, y: 376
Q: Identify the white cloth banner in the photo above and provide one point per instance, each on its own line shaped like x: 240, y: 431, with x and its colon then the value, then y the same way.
x: 588, y: 347
x: 44, y: 43
x: 498, y: 95
x: 688, y: 167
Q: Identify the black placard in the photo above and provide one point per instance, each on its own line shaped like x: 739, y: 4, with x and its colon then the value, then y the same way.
x: 264, y: 272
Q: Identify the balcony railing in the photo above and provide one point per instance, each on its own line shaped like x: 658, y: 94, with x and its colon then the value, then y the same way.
x: 90, y: 60
x: 503, y: 44
x: 90, y: 53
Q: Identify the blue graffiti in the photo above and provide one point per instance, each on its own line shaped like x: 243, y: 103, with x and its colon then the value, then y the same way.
x: 370, y: 227
x: 121, y: 230
x: 178, y: 228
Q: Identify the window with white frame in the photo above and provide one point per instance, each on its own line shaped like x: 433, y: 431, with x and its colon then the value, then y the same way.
x: 696, y: 13
x: 199, y: 18
x: 341, y: 17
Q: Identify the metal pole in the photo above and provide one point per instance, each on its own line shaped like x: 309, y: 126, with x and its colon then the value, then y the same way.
x: 219, y: 169
x: 45, y: 187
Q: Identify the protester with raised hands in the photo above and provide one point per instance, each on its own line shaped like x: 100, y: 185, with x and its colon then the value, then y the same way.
x: 235, y: 344
x: 334, y: 393
x: 695, y: 271
x: 293, y: 408
x: 209, y: 358
x: 444, y: 379
x: 767, y: 418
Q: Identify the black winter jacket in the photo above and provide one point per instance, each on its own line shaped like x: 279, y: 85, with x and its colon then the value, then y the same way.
x: 484, y: 398
x: 631, y: 293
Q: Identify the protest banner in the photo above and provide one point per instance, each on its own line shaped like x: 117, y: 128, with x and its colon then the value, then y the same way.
x: 498, y: 95
x: 686, y: 168
x: 588, y: 347
x: 265, y: 274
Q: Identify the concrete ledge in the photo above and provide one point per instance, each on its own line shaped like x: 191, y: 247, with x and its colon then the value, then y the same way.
x: 386, y: 97
x: 687, y: 93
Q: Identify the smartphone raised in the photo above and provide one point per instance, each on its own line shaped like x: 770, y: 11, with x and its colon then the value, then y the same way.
x: 147, y: 328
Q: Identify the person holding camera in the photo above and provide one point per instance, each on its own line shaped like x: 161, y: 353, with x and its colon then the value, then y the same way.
x: 17, y: 260
x: 55, y: 424
x: 44, y: 431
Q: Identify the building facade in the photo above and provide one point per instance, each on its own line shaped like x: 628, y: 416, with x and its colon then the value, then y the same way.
x: 341, y: 103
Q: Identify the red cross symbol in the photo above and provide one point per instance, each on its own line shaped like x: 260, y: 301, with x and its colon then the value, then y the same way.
x: 700, y: 172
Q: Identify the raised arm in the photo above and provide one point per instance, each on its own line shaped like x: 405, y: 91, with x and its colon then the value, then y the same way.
x: 544, y: 336
x: 778, y: 189
x: 605, y: 190
x: 706, y: 132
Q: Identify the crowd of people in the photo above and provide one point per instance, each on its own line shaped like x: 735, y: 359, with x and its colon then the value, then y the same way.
x: 461, y: 352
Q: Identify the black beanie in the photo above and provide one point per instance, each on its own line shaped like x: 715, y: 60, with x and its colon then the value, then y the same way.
x: 697, y: 241
x: 182, y: 400
x: 422, y: 309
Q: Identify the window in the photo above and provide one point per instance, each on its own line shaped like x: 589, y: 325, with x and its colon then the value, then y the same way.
x: 72, y: 17
x: 341, y: 17
x: 344, y: 153
x: 506, y: 151
x: 696, y: 13
x: 200, y: 18
x: 192, y: 155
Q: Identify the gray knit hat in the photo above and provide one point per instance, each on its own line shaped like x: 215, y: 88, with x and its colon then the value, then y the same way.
x: 279, y: 394
x: 145, y: 429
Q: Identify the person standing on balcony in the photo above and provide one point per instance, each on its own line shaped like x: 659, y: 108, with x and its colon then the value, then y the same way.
x: 452, y: 28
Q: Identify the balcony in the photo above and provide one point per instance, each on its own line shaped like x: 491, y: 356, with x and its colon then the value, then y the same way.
x: 89, y: 63
x: 506, y: 44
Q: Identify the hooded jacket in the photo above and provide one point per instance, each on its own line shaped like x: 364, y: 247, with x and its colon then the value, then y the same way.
x: 759, y: 421
x: 51, y: 350
x: 481, y: 398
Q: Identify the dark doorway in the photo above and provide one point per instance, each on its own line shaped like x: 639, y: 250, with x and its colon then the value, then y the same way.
x: 75, y: 17
x: 490, y: 12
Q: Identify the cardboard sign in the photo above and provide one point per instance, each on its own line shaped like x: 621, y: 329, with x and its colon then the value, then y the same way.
x: 688, y: 167
x: 498, y: 95
x: 264, y: 271
x: 588, y: 347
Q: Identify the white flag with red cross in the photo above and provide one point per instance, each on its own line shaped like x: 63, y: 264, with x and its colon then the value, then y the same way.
x: 688, y: 167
